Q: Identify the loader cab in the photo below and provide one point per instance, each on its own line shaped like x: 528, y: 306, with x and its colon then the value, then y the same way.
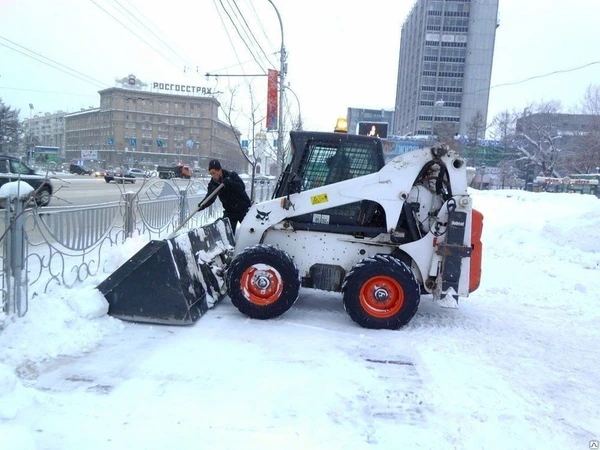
x: 321, y: 159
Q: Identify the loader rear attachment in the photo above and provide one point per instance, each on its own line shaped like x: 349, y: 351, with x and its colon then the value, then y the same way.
x: 172, y: 281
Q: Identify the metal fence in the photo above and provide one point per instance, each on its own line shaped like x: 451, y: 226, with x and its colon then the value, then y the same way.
x: 64, y: 246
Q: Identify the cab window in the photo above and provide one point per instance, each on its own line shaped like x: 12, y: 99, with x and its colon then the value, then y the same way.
x: 19, y: 168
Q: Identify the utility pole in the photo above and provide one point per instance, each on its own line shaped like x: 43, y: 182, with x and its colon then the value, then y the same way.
x: 30, y: 150
x: 282, y: 73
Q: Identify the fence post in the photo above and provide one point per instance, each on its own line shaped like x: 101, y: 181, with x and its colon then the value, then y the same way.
x: 7, y: 297
x: 182, y: 205
x: 17, y: 260
x: 129, y: 222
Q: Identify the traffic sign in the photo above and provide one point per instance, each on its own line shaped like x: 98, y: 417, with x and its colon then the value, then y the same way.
x: 159, y: 143
x: 111, y: 141
x: 133, y: 142
x: 190, y: 143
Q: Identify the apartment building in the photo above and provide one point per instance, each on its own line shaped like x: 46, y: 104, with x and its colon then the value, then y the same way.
x: 445, y: 65
x: 140, y: 127
x: 48, y: 128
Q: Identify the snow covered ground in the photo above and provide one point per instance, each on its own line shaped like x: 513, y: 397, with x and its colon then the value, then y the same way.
x: 516, y: 367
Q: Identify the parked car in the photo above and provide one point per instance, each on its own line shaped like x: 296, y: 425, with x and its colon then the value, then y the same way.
x: 11, y: 169
x: 138, y: 173
x: 118, y: 176
x: 80, y: 170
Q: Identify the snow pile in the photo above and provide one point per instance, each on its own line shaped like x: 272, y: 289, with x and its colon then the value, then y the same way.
x: 13, y: 191
x: 515, y: 367
x: 16, y: 190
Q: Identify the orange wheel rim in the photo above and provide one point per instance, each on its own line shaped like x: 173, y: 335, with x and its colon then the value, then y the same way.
x: 261, y: 284
x: 381, y: 297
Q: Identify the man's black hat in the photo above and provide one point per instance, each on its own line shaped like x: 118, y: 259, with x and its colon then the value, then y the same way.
x: 214, y: 164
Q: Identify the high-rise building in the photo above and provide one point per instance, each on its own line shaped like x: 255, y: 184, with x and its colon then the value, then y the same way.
x: 444, y: 72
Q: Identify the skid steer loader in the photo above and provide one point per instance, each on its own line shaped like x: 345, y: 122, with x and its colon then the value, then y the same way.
x: 342, y: 220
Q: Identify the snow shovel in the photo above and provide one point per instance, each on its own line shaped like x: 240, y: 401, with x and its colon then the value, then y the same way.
x: 206, y: 200
x: 171, y: 281
x: 175, y: 280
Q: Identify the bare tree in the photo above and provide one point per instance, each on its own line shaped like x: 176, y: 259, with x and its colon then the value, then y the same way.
x: 476, y: 127
x: 231, y: 115
x: 445, y: 132
x: 503, y: 128
x: 11, y: 129
x: 591, y: 100
x: 538, y: 131
x: 584, y: 155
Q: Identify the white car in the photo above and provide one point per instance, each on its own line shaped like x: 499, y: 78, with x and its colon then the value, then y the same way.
x: 138, y: 173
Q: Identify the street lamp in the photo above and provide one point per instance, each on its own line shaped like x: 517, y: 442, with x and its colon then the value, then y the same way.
x: 481, y: 178
x: 29, y: 153
x: 282, y: 70
x: 435, y: 105
x: 299, y: 110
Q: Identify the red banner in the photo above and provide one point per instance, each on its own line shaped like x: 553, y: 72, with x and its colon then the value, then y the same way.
x: 272, y: 100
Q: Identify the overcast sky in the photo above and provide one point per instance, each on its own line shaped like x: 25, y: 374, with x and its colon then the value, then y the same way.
x: 341, y: 53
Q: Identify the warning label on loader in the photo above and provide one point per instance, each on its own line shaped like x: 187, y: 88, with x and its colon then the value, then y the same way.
x: 321, y: 198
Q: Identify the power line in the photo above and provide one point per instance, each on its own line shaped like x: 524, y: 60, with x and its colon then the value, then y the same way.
x: 135, y: 34
x: 252, y: 34
x: 227, y: 33
x: 237, y: 65
x: 54, y: 67
x: 573, y: 69
x: 94, y: 81
x: 46, y: 92
x: 260, y: 24
x: 535, y: 77
x: 240, y: 35
x: 148, y: 28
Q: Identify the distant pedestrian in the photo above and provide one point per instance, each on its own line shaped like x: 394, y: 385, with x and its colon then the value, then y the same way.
x: 233, y: 196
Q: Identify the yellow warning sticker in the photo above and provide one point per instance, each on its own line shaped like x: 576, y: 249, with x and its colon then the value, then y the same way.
x: 321, y: 198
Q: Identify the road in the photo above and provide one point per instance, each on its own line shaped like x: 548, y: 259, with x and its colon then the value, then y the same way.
x: 70, y: 190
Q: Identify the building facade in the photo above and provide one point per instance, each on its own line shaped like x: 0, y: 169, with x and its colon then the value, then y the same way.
x: 445, y: 65
x: 49, y: 129
x: 133, y: 127
x: 558, y: 124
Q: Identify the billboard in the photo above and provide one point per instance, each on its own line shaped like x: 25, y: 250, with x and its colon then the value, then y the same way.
x: 396, y: 147
x: 377, y: 129
x: 272, y: 100
x: 89, y: 154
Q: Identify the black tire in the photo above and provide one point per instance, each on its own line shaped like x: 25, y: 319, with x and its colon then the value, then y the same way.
x: 43, y: 196
x: 381, y: 292
x: 270, y: 266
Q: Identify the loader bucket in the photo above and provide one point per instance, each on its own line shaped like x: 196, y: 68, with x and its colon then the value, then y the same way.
x: 171, y: 281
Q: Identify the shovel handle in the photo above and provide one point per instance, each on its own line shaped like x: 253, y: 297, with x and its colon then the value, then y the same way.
x: 206, y: 200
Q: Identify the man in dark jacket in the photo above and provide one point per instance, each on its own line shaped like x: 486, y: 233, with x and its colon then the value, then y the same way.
x: 236, y: 202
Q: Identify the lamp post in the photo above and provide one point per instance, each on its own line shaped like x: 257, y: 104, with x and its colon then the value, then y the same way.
x: 435, y: 105
x: 30, y: 150
x: 481, y: 178
x: 282, y: 70
x: 299, y: 109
